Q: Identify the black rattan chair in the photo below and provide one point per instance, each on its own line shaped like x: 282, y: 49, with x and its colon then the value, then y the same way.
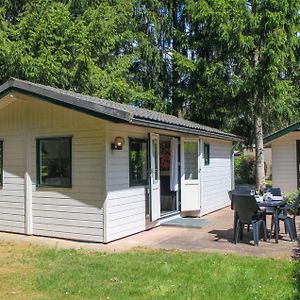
x: 290, y: 221
x: 270, y: 211
x: 238, y: 191
x: 248, y: 212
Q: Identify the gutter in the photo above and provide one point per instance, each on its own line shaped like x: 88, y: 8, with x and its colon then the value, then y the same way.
x: 149, y: 123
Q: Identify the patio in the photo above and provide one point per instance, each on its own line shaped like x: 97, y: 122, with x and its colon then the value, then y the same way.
x: 216, y: 236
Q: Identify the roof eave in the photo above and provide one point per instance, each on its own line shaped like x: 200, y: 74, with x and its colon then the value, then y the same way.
x: 270, y: 138
x: 64, y: 100
x: 160, y: 125
x: 103, y: 112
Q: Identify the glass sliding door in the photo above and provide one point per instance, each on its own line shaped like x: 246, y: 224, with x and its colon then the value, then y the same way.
x: 169, y: 175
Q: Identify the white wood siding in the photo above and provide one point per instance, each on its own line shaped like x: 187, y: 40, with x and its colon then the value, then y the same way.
x: 216, y: 177
x: 12, y: 212
x: 101, y: 205
x: 284, y: 162
x: 77, y: 212
x: 125, y: 205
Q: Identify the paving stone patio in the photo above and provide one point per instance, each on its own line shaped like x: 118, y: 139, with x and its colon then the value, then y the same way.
x: 215, y: 237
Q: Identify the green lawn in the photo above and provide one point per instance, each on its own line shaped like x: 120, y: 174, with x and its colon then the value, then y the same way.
x: 31, y: 272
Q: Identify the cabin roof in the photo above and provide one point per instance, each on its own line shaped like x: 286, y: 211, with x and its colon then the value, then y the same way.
x: 275, y: 135
x: 110, y: 110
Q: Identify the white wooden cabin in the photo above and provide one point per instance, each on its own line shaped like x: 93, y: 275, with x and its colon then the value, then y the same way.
x: 285, y: 145
x: 63, y: 173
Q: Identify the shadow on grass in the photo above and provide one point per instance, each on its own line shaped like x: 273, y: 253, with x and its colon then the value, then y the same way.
x: 296, y: 257
x: 297, y: 272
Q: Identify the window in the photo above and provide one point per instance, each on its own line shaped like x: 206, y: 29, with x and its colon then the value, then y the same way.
x: 191, y: 160
x: 155, y: 156
x: 54, y: 162
x: 1, y: 163
x: 138, y: 158
x: 206, y: 154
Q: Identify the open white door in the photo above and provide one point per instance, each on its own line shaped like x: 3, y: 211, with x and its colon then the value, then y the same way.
x: 154, y: 177
x: 190, y: 174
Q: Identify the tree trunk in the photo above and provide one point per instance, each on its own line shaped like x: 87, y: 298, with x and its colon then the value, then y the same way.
x: 260, y: 159
x: 259, y: 136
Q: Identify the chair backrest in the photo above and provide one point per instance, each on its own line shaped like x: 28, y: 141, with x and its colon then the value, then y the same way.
x: 242, y: 190
x: 296, y: 205
x: 245, y: 206
x: 238, y: 191
x: 230, y: 193
x: 273, y: 191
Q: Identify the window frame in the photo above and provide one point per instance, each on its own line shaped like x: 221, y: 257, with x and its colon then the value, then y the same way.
x: 140, y: 182
x: 1, y: 160
x: 206, y: 151
x: 38, y: 162
x: 196, y: 143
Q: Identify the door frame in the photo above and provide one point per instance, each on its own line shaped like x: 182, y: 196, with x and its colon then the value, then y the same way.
x: 184, y: 183
x: 154, y: 184
x: 178, y: 192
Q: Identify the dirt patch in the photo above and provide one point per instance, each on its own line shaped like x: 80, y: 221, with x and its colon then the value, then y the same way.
x: 15, y: 270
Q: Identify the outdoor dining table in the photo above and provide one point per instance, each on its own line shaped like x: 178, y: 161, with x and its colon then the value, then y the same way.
x: 276, y: 203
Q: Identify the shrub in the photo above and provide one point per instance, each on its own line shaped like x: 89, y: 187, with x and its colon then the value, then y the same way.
x: 244, y: 167
x: 291, y: 197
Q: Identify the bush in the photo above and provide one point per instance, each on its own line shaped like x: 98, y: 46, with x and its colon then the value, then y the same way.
x: 244, y: 168
x: 291, y: 197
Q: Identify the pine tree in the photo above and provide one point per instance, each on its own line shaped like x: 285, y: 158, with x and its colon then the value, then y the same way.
x: 271, y: 35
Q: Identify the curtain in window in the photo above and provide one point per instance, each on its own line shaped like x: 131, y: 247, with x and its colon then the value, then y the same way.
x: 174, y: 165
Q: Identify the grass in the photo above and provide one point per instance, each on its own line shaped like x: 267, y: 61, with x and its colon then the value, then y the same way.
x: 32, y: 272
